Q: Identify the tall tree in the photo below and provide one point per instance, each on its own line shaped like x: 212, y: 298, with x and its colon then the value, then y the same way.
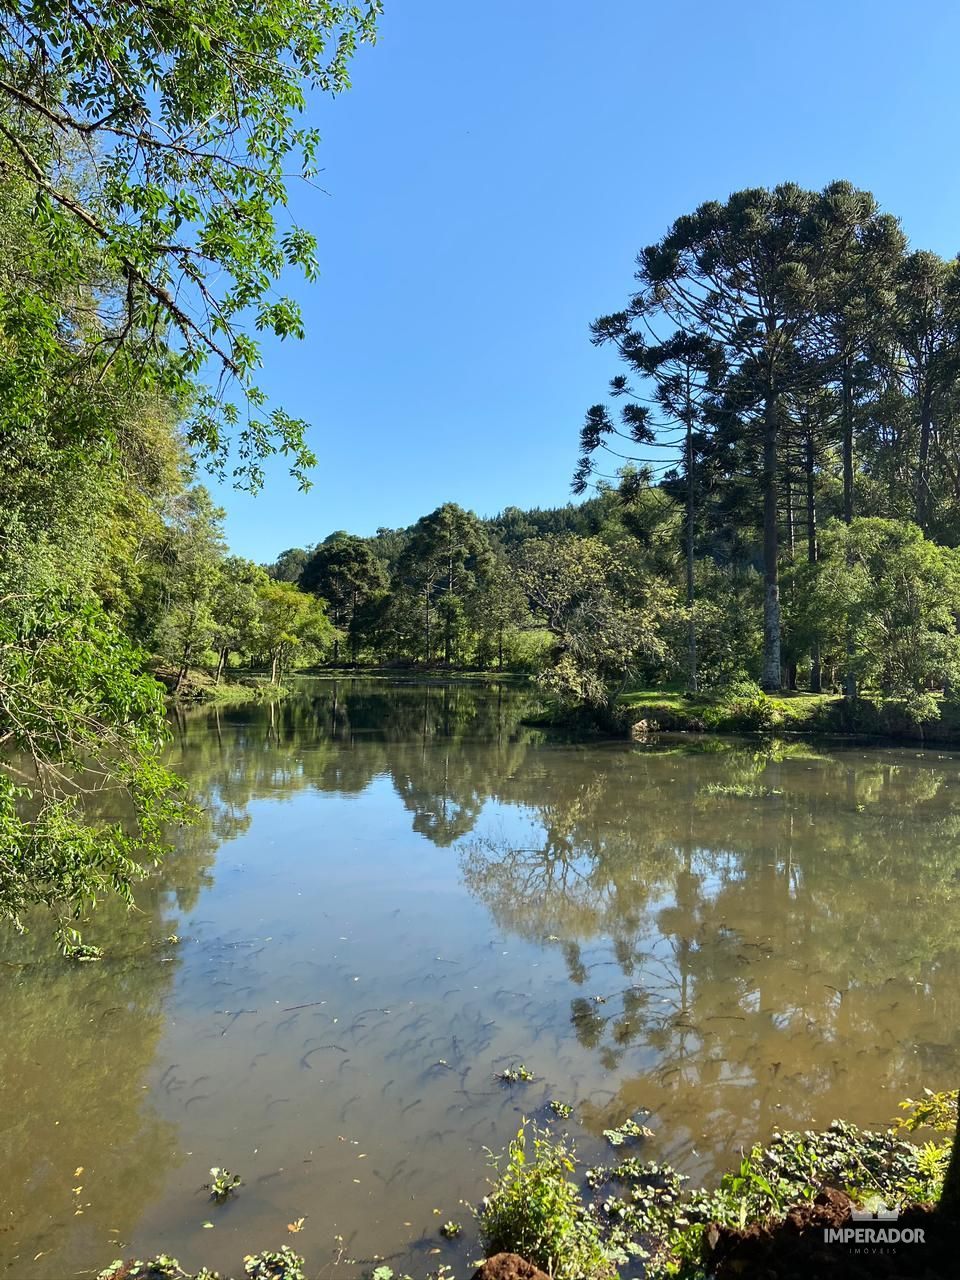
x: 144, y: 152
x: 865, y: 250
x: 747, y: 278
x: 289, y: 565
x: 605, y: 620
x: 745, y: 275
x: 290, y: 621
x: 235, y: 608
x: 345, y: 572
x: 684, y: 371
x: 926, y: 356
x: 191, y: 555
x: 448, y: 552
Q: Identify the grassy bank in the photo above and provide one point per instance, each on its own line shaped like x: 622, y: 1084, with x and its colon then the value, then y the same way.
x: 931, y: 718
x: 201, y: 686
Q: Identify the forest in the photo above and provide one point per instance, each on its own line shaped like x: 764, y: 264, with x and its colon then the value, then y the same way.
x: 777, y: 494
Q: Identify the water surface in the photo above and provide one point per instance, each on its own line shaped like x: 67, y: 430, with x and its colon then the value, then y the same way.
x: 396, y: 891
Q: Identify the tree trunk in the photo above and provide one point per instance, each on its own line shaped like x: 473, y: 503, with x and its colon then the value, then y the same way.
x: 273, y: 666
x: 692, y: 683
x: 816, y: 676
x: 846, y: 413
x: 923, y: 459
x: 221, y: 664
x: 770, y: 676
x: 184, y: 668
x: 500, y: 647
x: 849, y: 678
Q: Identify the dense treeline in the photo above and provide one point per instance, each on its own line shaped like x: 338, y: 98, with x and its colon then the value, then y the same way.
x: 452, y: 589
x: 784, y: 504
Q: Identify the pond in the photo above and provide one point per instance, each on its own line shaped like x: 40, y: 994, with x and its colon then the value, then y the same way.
x: 398, y: 890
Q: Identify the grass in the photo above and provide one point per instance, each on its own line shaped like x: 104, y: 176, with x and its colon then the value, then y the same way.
x: 730, y: 711
x: 745, y: 709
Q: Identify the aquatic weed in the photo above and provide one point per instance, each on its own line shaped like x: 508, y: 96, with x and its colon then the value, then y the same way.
x: 222, y: 1184
x: 626, y: 1132
x: 514, y: 1075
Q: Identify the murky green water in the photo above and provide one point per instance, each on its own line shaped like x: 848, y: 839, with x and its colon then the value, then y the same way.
x: 397, y: 891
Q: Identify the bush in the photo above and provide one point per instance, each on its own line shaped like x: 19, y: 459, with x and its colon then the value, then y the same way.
x: 536, y: 1211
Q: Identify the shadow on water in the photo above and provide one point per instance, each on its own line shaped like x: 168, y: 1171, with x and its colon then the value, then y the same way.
x: 396, y: 891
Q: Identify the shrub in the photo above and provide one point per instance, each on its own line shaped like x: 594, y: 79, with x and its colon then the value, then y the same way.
x: 536, y: 1211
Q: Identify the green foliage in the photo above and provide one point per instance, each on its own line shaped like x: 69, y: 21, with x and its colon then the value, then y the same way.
x: 186, y: 575
x: 536, y: 1210
x: 629, y: 1131
x: 604, y: 615
x: 289, y: 565
x: 647, y: 1207
x: 223, y: 1184
x: 281, y: 1264
x: 290, y: 622
x: 345, y: 572
x: 893, y: 594
x: 932, y: 1111
x: 74, y: 709
x: 194, y: 123
x: 143, y: 157
x: 440, y: 570
x: 515, y: 1075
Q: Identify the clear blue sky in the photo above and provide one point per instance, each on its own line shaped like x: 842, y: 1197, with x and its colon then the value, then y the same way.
x: 491, y: 176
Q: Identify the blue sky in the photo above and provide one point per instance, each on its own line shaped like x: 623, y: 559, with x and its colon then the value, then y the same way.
x: 490, y: 178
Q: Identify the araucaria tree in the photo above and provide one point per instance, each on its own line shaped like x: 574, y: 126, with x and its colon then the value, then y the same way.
x: 744, y: 276
x: 790, y: 358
